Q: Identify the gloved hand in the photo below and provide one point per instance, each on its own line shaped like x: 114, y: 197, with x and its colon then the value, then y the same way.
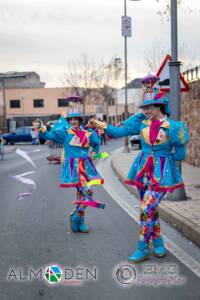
x: 94, y: 123
x: 64, y: 114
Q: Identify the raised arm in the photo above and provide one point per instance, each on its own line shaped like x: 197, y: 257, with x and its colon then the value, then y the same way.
x: 130, y: 127
x: 57, y: 134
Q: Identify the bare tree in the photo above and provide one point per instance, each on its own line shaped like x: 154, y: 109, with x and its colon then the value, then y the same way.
x: 84, y: 76
x: 186, y: 6
x: 187, y: 57
x: 81, y: 77
x: 154, y: 56
x: 107, y: 79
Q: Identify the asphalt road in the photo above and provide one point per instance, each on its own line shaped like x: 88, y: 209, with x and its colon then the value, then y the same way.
x: 35, y: 233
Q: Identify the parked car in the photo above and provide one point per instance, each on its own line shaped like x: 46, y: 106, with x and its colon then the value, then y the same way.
x: 21, y: 134
x: 135, y: 142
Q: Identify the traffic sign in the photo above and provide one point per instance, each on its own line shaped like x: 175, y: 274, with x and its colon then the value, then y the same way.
x: 164, y: 74
x: 126, y: 26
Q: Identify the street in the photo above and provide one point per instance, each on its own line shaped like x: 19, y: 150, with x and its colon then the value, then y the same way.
x: 35, y: 233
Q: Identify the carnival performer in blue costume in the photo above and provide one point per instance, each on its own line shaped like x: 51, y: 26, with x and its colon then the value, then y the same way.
x: 154, y: 171
x: 77, y: 168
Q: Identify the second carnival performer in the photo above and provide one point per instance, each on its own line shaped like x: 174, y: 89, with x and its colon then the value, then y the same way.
x: 154, y: 171
x: 77, y: 168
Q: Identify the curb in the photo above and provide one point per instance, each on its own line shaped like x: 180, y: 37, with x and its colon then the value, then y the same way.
x: 183, y: 225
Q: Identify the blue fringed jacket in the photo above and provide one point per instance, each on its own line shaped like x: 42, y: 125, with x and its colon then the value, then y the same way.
x: 156, y: 163
x: 77, y: 168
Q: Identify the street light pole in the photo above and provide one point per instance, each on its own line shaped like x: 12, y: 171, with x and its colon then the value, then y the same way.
x: 117, y: 72
x: 4, y: 106
x: 174, y: 66
x: 126, y: 147
x: 175, y: 87
x: 4, y: 121
x: 116, y: 107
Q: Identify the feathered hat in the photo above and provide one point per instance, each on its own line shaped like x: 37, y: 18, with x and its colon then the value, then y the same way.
x: 74, y: 113
x: 153, y: 95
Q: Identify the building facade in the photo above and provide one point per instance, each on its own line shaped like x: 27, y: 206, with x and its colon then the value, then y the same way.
x: 23, y: 105
x: 13, y: 80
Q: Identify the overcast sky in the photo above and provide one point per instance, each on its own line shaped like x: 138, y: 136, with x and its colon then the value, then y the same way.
x: 44, y: 35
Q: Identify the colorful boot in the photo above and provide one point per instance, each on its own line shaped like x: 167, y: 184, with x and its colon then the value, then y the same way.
x: 83, y: 227
x: 75, y: 221
x: 158, y: 247
x: 141, y: 253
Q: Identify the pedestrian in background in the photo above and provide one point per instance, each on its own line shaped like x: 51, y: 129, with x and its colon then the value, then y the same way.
x: 35, y: 137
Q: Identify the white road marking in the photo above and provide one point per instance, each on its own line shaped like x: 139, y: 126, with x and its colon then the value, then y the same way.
x: 179, y: 253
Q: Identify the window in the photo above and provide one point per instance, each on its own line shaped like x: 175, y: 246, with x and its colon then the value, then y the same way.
x: 27, y: 130
x: 14, y: 103
x: 62, y: 102
x: 20, y: 131
x: 38, y: 103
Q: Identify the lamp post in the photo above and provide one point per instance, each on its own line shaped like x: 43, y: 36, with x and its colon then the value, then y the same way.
x: 4, y: 121
x: 117, y: 72
x: 175, y: 97
x: 126, y: 32
x: 174, y: 65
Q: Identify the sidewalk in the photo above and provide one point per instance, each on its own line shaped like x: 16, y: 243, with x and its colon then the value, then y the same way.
x: 183, y: 215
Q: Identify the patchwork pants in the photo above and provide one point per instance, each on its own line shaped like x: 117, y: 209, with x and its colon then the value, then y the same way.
x: 149, y: 221
x: 84, y: 193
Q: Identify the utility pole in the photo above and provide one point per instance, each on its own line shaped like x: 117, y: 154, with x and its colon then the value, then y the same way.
x: 117, y: 71
x: 126, y: 147
x: 175, y: 87
x: 126, y: 32
x: 4, y: 122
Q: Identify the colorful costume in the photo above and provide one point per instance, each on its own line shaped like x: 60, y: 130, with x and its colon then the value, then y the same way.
x: 154, y: 171
x: 77, y: 168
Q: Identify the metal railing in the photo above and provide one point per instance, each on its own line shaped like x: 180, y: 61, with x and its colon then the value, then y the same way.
x: 192, y: 75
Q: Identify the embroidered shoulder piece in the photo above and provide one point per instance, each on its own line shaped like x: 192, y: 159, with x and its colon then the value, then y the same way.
x: 181, y: 135
x: 70, y: 131
x: 146, y: 122
x: 165, y: 124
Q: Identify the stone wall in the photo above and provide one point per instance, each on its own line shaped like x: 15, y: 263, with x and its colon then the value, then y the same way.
x: 190, y: 107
